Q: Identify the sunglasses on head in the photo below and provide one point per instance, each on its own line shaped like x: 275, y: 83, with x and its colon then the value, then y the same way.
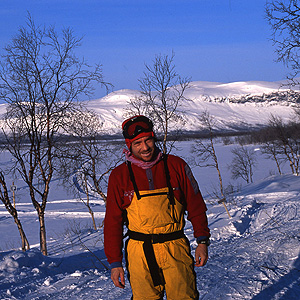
x: 135, y: 126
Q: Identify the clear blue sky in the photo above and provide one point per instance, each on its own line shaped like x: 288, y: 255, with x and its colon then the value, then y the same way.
x: 213, y: 40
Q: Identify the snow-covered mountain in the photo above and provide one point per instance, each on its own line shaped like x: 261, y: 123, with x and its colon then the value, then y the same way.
x: 233, y: 105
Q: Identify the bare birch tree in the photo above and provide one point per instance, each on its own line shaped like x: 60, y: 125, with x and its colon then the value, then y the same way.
x: 40, y: 79
x: 205, y: 153
x: 88, y: 158
x: 288, y: 141
x: 271, y: 149
x: 242, y: 164
x: 270, y: 146
x: 162, y: 97
x: 284, y: 19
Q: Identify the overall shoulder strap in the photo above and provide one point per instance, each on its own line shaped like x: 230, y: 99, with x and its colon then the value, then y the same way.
x: 168, y: 178
x: 136, y: 190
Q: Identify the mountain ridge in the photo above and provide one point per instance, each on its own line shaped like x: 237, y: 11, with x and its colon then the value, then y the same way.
x: 234, y: 106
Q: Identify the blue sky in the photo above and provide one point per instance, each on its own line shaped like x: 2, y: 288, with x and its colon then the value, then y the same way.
x: 213, y: 40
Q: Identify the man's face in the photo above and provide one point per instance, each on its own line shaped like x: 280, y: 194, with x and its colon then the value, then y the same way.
x: 143, y: 148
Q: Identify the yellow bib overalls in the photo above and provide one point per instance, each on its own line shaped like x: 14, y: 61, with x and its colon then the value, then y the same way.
x: 156, y: 233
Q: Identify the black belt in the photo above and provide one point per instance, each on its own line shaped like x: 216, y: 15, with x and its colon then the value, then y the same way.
x: 148, y: 240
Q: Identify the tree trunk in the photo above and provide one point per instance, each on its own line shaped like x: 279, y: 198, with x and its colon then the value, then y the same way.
x: 88, y: 202
x: 93, y: 218
x: 25, y: 243
x: 223, y: 200
x: 43, y: 242
x: 289, y: 159
x: 277, y: 164
x: 250, y: 172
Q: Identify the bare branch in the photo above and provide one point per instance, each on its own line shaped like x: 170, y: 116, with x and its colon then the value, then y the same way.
x: 41, y: 78
x: 162, y: 97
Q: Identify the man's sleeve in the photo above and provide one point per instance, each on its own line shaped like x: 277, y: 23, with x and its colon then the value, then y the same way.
x: 113, y: 223
x: 196, y: 207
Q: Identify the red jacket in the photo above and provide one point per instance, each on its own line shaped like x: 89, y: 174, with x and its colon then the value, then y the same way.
x: 120, y: 192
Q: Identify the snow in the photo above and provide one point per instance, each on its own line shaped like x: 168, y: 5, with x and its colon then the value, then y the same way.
x: 229, y: 115
x: 233, y: 89
x: 201, y: 94
x: 253, y: 255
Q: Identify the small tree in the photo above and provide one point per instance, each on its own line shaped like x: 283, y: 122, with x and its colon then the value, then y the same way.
x: 88, y: 155
x: 162, y: 96
x: 206, y: 154
x: 271, y: 149
x: 288, y: 141
x: 270, y: 146
x: 40, y: 79
x: 4, y: 196
x: 87, y: 202
x: 284, y: 19
x: 243, y: 163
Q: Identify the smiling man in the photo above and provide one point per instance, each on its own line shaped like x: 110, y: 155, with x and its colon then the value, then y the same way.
x: 150, y: 193
x: 143, y: 148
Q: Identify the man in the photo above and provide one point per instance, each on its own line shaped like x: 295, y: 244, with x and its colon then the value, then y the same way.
x: 150, y: 192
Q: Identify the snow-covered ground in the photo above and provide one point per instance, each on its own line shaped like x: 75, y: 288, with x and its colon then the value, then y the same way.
x: 253, y: 255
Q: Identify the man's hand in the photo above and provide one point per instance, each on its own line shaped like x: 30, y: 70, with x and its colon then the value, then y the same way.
x: 201, y: 255
x: 117, y: 273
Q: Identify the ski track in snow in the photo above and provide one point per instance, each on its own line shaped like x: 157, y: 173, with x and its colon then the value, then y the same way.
x: 253, y: 255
